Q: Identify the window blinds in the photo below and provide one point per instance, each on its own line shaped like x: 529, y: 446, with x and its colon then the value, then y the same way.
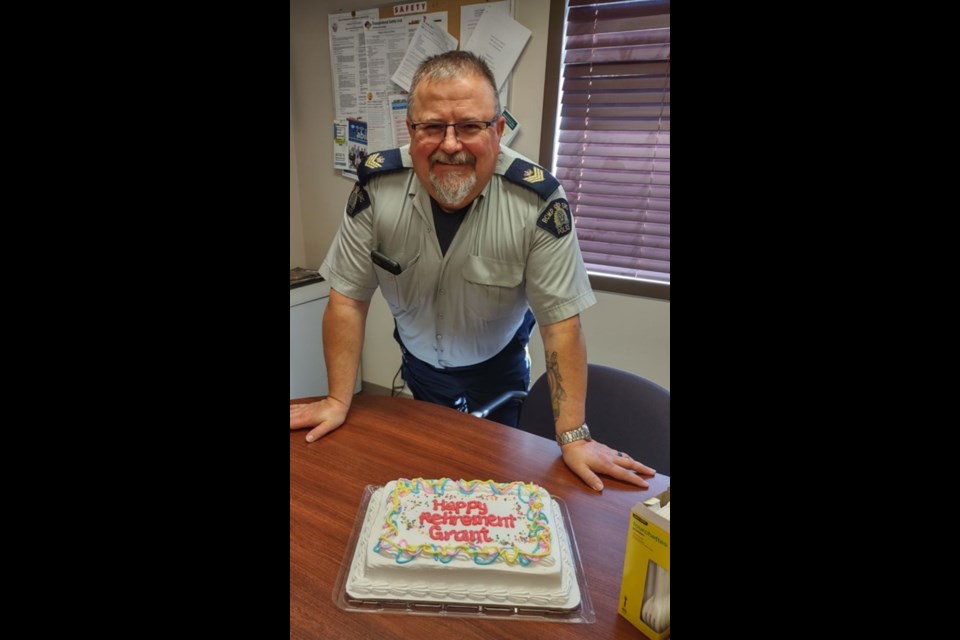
x: 613, y: 147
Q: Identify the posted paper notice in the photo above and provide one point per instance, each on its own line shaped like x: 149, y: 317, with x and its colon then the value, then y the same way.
x: 428, y: 40
x: 499, y: 40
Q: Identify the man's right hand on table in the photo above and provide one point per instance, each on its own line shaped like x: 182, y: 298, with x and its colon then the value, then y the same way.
x: 324, y: 416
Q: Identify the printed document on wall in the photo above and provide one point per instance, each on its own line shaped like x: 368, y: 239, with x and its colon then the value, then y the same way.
x: 438, y: 18
x: 398, y: 110
x: 386, y: 44
x: 340, y: 144
x: 428, y: 40
x: 348, y: 64
x: 356, y: 146
x: 499, y: 40
x: 379, y: 124
x: 470, y: 15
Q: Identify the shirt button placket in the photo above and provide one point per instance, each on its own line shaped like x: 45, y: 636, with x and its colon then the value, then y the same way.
x: 439, y: 343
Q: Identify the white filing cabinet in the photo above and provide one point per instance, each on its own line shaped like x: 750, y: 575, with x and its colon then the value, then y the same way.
x: 308, y: 372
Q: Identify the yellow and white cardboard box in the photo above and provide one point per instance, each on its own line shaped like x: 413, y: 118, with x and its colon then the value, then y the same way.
x: 647, y: 561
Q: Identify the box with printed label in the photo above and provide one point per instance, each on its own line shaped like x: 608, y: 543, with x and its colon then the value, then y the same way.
x: 645, y: 587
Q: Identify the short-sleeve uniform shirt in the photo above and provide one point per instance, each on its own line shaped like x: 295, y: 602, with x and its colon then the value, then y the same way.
x: 515, y: 249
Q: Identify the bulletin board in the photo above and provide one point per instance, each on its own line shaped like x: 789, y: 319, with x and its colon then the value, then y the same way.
x: 452, y: 7
x: 370, y: 106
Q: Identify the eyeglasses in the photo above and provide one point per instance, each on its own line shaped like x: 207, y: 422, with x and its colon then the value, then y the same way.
x: 465, y: 131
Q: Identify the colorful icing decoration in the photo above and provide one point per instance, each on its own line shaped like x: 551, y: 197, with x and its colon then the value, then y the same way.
x: 484, y: 520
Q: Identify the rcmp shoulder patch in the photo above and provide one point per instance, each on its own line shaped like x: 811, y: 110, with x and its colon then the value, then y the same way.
x: 358, y: 201
x: 555, y: 218
x: 379, y: 162
x: 532, y: 177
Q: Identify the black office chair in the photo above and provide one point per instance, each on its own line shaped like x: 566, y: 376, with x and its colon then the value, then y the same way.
x: 624, y: 411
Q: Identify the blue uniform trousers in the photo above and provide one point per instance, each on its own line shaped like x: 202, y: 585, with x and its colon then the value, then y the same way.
x: 468, y: 388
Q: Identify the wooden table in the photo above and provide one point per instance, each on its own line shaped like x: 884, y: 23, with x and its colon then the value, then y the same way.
x: 389, y: 438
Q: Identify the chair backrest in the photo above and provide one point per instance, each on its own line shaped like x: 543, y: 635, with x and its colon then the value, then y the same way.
x: 624, y: 411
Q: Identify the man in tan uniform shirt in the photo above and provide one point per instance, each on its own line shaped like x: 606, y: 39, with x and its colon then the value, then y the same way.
x: 468, y: 242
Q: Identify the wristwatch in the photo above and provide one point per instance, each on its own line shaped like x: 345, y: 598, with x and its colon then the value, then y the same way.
x: 580, y: 433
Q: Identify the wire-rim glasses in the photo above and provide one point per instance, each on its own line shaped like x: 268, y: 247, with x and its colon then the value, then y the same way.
x: 464, y: 131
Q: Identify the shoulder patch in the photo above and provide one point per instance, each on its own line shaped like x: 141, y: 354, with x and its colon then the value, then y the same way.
x: 358, y: 201
x: 378, y: 162
x: 532, y: 177
x: 556, y: 218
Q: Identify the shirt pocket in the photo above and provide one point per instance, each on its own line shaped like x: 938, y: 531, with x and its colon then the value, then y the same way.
x: 492, y: 290
x: 401, y: 291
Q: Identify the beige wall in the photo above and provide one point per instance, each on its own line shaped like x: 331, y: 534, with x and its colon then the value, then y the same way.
x: 622, y: 331
x: 297, y: 254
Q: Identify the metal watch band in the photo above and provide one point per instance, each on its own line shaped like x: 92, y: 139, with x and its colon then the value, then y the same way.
x: 580, y: 433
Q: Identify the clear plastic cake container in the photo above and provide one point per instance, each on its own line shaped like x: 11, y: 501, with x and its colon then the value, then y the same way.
x: 582, y: 613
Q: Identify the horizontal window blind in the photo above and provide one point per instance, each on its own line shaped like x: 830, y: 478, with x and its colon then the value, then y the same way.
x: 613, y: 147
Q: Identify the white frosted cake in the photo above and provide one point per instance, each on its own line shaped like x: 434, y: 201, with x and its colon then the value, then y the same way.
x: 464, y: 541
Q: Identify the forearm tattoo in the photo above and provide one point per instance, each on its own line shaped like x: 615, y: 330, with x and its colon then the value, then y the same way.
x: 557, y: 394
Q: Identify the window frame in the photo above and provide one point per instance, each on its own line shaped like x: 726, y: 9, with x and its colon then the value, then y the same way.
x: 551, y: 100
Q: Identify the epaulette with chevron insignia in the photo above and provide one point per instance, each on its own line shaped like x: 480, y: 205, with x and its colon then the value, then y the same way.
x: 378, y: 162
x: 532, y: 177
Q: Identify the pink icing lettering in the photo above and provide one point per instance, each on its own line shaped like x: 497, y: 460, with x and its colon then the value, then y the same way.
x: 455, y: 506
x: 477, y: 505
x: 509, y: 522
x: 431, y: 518
x: 461, y: 535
